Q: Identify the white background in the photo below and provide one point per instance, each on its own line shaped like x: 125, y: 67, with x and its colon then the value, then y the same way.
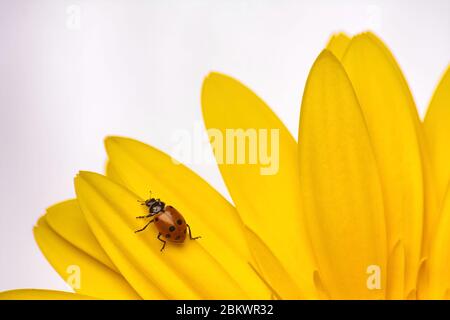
x: 135, y: 68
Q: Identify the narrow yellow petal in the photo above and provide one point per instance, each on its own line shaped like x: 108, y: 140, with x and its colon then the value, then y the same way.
x: 338, y: 44
x: 271, y: 269
x: 181, y: 271
x: 396, y: 273
x: 437, y: 131
x: 67, y: 220
x: 431, y: 200
x: 87, y: 275
x: 40, y: 294
x: 340, y: 187
x: 322, y: 291
x: 112, y: 173
x: 264, y: 186
x: 394, y: 129
x: 439, y: 261
x: 412, y: 295
x: 142, y: 168
x: 422, y: 291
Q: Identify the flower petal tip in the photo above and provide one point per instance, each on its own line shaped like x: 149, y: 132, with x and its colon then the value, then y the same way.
x: 84, y: 175
x: 215, y: 79
x: 326, y: 56
x: 111, y: 142
x: 109, y: 139
x: 215, y: 75
x: 39, y: 223
x: 338, y: 37
x: 340, y: 34
x: 114, y: 139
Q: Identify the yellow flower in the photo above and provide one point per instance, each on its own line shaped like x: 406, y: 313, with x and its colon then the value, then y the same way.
x: 362, y: 194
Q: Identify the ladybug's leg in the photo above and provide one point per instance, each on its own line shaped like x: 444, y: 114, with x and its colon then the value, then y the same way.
x: 163, y: 241
x: 144, y: 226
x: 143, y: 217
x: 190, y: 234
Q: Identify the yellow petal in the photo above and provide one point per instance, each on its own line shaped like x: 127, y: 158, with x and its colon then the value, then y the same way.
x: 264, y: 189
x: 437, y: 131
x: 67, y: 220
x: 394, y: 129
x: 322, y: 291
x: 422, y: 291
x: 396, y: 273
x: 412, y: 295
x: 87, y: 275
x: 340, y: 188
x: 39, y: 294
x: 181, y: 271
x: 271, y: 269
x: 439, y: 261
x: 338, y: 44
x: 112, y: 173
x: 431, y: 201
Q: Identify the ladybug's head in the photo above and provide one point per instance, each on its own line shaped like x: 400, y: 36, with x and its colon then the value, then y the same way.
x: 155, y: 205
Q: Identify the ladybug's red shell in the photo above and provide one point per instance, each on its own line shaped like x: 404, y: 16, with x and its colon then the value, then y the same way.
x: 171, y: 224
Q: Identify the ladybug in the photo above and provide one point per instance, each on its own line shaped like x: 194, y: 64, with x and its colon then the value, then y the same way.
x: 169, y: 222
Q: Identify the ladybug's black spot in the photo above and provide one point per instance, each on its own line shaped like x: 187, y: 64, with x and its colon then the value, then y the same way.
x: 180, y: 222
x: 184, y: 231
x: 177, y: 238
x: 171, y: 228
x: 167, y: 236
x: 156, y: 219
